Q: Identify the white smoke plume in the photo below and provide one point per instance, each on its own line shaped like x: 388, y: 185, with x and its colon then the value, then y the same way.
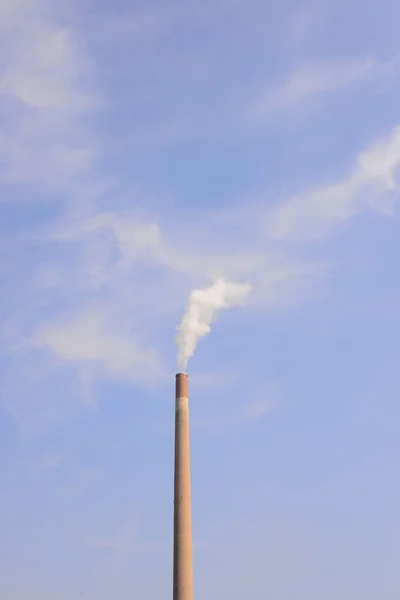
x: 203, y: 308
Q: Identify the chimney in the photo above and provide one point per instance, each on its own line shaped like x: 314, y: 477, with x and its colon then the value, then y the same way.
x: 183, y: 569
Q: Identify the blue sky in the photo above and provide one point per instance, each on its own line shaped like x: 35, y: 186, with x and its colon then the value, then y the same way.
x: 147, y: 149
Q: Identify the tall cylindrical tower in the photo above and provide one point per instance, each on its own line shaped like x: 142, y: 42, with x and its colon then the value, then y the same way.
x: 183, y: 569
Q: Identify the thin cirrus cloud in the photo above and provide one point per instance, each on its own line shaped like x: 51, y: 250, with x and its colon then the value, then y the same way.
x: 95, y: 311
x: 311, y: 80
x: 86, y: 339
x: 43, y: 97
x: 94, y: 301
x: 123, y: 542
x: 372, y: 184
x: 112, y: 255
x: 94, y: 281
x: 264, y: 401
x: 100, y: 340
x: 44, y: 77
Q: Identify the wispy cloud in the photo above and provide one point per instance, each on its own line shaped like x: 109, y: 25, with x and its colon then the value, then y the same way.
x: 373, y: 184
x: 311, y: 80
x: 152, y: 24
x: 106, y: 284
x: 265, y: 400
x: 43, y: 98
x: 214, y: 380
x: 95, y: 307
x: 192, y: 113
x: 258, y: 409
x: 46, y: 463
x: 80, y: 481
x: 122, y: 544
x: 89, y: 338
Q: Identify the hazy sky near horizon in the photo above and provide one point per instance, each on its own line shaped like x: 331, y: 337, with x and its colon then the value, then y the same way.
x: 149, y: 148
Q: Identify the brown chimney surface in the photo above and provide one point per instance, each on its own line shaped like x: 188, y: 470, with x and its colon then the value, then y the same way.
x: 182, y: 385
x: 183, y: 569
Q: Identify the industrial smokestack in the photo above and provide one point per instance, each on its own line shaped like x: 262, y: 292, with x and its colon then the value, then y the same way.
x: 183, y: 568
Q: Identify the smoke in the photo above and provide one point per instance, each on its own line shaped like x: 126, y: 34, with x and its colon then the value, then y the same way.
x: 203, y: 308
